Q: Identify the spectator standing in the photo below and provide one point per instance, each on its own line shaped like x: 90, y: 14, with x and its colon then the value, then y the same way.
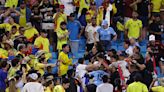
x: 3, y: 75
x: 133, y: 26
x: 62, y: 36
x: 137, y: 84
x: 36, y: 18
x: 92, y: 34
x: 144, y: 11
x: 64, y: 60
x: 156, y: 28
x: 25, y: 14
x: 105, y: 86
x: 105, y: 34
x: 33, y: 85
x: 62, y: 88
x: 42, y: 41
x: 74, y: 27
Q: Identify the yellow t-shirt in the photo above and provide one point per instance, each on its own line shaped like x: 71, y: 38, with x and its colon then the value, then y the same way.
x: 42, y: 43
x: 14, y: 35
x: 8, y: 26
x: 61, y: 41
x: 137, y: 87
x: 7, y: 90
x: 120, y: 26
x: 83, y: 4
x: 158, y: 89
x: 12, y: 72
x: 133, y: 27
x: 40, y: 67
x: 11, y: 3
x: 58, y: 19
x: 156, y: 5
x: 64, y: 63
x: 58, y: 88
x: 48, y: 89
x: 3, y: 53
x: 29, y: 33
x: 22, y: 18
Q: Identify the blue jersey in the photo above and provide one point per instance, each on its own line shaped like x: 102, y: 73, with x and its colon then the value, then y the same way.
x: 97, y: 76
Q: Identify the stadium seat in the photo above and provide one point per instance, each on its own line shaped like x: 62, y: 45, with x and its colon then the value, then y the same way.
x: 54, y: 55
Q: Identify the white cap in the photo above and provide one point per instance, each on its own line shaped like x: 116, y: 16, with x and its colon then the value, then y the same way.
x: 152, y: 38
x: 33, y: 76
x: 40, y: 53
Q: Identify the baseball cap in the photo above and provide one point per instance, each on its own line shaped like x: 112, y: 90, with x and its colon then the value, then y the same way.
x: 33, y: 76
x: 152, y: 38
x: 104, y: 22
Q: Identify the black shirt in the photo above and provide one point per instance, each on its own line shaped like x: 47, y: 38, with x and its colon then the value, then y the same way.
x: 142, y: 8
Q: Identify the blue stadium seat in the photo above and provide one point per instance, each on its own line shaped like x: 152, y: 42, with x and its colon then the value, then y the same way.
x: 54, y: 55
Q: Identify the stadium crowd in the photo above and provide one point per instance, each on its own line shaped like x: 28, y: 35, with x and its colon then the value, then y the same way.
x: 81, y: 45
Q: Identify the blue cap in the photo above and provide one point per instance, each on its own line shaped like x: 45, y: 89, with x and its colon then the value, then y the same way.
x: 104, y: 22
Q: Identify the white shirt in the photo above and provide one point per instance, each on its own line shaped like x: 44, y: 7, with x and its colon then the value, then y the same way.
x: 69, y: 8
x: 81, y: 70
x: 91, y: 30
x: 107, y: 16
x: 129, y: 51
x: 33, y: 87
x: 123, y: 65
x: 105, y: 87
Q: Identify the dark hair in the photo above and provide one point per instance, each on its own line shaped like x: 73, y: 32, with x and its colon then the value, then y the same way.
x: 49, y: 82
x: 84, y: 11
x: 127, y: 42
x: 138, y: 48
x: 3, y: 63
x: 138, y: 77
x: 14, y: 27
x: 115, y: 57
x: 91, y: 88
x: 70, y: 72
x: 14, y: 62
x: 105, y: 78
x: 64, y: 45
x: 65, y: 81
x: 133, y: 66
x: 63, y: 23
x: 101, y: 56
x: 81, y: 60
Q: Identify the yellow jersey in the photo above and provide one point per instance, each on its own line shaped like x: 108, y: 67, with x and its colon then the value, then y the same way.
x: 158, y: 89
x: 8, y: 26
x: 42, y: 43
x: 11, y: 3
x: 134, y: 28
x: 58, y: 19
x: 29, y: 33
x: 137, y: 87
x: 62, y: 41
x: 58, y: 88
x: 65, y: 61
x: 157, y: 5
